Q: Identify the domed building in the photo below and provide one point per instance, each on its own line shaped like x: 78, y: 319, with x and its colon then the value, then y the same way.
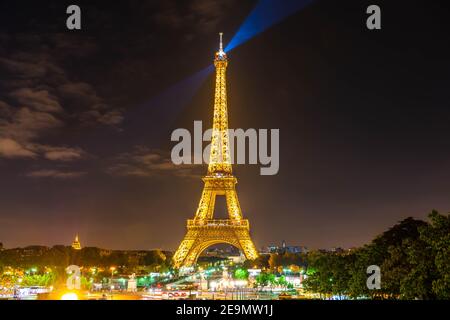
x: 76, y: 245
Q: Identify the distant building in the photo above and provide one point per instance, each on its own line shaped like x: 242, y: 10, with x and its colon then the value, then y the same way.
x: 337, y: 250
x: 32, y: 251
x: 284, y: 249
x: 222, y: 251
x: 237, y: 259
x: 272, y: 249
x: 296, y: 249
x: 76, y: 245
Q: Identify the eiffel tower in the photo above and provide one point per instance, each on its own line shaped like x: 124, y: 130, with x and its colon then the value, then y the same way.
x: 204, y: 231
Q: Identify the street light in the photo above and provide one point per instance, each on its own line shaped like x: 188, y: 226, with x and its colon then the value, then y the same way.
x: 112, y: 275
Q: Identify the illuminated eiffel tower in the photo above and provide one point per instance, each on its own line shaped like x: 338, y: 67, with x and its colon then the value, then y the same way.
x: 204, y: 231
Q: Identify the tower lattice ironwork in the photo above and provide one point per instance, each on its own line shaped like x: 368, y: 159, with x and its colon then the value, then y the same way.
x: 204, y: 231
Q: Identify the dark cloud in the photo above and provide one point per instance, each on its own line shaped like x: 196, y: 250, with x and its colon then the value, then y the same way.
x: 145, y: 162
x: 76, y: 46
x: 199, y: 16
x: 21, y: 69
x: 5, y: 110
x: 37, y: 97
x: 60, y: 153
x: 113, y: 117
x: 10, y: 148
x: 26, y: 124
x: 57, y: 174
x: 92, y: 117
x: 81, y: 92
x: 40, y: 100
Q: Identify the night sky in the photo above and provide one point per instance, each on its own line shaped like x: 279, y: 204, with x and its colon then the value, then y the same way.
x: 86, y: 118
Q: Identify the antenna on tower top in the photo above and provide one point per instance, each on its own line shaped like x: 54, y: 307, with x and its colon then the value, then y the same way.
x: 220, y: 45
x: 220, y: 55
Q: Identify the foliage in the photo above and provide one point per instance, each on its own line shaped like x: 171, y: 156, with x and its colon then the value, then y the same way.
x: 265, y: 279
x: 414, y: 258
x: 261, y: 262
x: 46, y: 279
x: 62, y: 256
x: 86, y: 283
x: 285, y: 259
x: 241, y: 274
x: 436, y: 237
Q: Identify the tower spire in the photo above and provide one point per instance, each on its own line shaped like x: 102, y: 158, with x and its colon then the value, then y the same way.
x: 219, y: 159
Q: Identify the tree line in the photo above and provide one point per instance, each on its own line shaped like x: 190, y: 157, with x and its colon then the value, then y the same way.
x: 62, y: 256
x: 413, y: 255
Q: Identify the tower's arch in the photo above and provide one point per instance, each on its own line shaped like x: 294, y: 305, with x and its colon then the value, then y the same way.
x: 207, y: 244
x: 203, y: 234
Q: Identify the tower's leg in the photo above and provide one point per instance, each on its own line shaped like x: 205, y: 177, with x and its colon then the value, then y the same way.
x: 180, y: 255
x: 204, y: 231
x: 233, y: 207
x: 206, y: 205
x: 249, y: 249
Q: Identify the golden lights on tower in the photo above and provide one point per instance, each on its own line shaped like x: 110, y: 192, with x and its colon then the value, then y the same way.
x: 204, y: 231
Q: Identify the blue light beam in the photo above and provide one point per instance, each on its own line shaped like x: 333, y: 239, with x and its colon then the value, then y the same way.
x: 265, y: 14
x: 172, y: 100
x: 178, y: 95
x: 161, y: 109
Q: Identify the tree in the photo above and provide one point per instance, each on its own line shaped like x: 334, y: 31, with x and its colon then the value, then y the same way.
x: 277, y: 260
x: 281, y: 281
x: 387, y: 251
x: 264, y: 279
x: 241, y: 274
x: 46, y: 279
x: 340, y: 273
x: 436, y: 236
x: 261, y: 262
x: 402, y: 276
x: 417, y: 282
x: 319, y: 273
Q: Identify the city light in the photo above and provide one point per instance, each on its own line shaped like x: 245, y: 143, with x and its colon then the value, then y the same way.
x: 69, y: 296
